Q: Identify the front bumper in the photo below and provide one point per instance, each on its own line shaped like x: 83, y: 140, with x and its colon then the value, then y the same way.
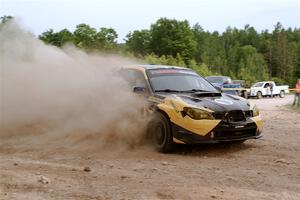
x: 224, y: 131
x: 253, y: 93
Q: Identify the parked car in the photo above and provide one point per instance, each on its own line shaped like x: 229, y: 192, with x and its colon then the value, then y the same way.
x: 268, y: 88
x: 225, y: 84
x: 187, y: 109
x: 219, y: 81
x: 242, y: 83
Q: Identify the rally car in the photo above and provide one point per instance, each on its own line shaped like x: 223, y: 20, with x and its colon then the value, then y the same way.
x: 187, y: 109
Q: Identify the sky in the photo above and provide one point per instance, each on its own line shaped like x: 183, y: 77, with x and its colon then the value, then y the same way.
x: 129, y: 15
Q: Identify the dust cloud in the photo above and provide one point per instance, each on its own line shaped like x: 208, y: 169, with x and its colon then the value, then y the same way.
x: 64, y: 92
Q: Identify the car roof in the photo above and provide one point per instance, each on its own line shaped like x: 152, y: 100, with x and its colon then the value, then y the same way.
x: 146, y: 67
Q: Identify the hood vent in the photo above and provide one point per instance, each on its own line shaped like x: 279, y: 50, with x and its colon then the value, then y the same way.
x: 207, y: 94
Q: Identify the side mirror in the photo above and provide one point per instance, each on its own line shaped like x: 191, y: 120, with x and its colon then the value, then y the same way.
x: 139, y: 89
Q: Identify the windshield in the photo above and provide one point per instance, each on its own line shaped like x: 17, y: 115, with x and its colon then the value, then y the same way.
x: 219, y: 79
x: 178, y: 80
x: 259, y: 84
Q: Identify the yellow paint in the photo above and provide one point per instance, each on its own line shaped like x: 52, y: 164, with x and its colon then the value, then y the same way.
x: 258, y: 121
x: 200, y: 127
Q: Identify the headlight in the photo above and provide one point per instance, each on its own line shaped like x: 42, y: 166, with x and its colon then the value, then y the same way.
x: 255, y: 111
x: 197, y: 114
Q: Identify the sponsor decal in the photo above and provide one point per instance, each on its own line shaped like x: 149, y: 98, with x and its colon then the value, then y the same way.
x: 239, y: 126
x: 172, y: 71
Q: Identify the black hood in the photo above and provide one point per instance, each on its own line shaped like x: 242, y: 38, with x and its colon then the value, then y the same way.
x: 218, y: 103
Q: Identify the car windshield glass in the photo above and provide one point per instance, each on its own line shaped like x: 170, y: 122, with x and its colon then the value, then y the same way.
x: 259, y: 84
x: 178, y: 81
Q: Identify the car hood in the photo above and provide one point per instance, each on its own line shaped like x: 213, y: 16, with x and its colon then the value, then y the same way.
x: 220, y: 103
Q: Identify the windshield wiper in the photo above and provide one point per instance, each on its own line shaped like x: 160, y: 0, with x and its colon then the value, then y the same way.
x: 183, y: 91
x: 167, y: 90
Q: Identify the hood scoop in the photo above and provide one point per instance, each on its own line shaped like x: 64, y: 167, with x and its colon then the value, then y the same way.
x: 206, y: 94
x: 190, y: 98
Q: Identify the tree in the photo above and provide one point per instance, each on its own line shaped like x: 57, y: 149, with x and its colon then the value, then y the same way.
x: 85, y: 36
x: 65, y: 36
x: 138, y: 42
x: 106, y: 39
x: 251, y: 64
x: 172, y: 37
x: 201, y: 37
x: 5, y: 18
x: 88, y: 38
x: 49, y: 37
x: 57, y: 38
x: 239, y: 53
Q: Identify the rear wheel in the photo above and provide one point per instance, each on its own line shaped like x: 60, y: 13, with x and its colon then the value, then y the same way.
x: 259, y: 95
x: 281, y: 95
x: 161, y: 134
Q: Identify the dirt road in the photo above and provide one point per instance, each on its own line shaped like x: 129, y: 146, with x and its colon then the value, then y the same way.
x: 42, y: 166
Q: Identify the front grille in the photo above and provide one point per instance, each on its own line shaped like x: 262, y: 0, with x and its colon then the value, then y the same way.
x: 233, y: 116
x: 235, y: 134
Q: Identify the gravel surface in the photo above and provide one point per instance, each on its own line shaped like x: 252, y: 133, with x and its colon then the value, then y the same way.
x: 37, y: 166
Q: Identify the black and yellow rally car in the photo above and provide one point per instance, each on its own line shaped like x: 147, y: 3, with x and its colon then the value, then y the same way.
x: 187, y: 109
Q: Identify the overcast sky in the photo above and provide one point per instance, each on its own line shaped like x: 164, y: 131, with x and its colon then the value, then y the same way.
x: 129, y: 15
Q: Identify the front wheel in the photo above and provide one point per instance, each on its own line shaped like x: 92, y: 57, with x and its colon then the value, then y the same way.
x: 259, y: 95
x: 281, y: 95
x: 161, y: 134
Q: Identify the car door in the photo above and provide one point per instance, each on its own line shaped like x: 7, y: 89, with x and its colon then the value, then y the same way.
x: 266, y: 89
x: 135, y: 78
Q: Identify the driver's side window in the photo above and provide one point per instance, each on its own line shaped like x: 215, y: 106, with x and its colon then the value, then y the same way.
x: 134, y: 78
x: 266, y: 85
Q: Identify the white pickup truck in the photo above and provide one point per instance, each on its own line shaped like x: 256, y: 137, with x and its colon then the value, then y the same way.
x: 268, y: 88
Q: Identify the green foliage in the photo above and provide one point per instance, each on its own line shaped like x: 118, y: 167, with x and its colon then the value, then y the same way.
x: 106, y: 39
x: 84, y: 37
x: 58, y: 38
x: 165, y: 60
x: 172, y: 37
x: 279, y: 81
x: 239, y: 53
x: 138, y: 42
x: 5, y: 18
x: 249, y: 63
x: 201, y: 69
